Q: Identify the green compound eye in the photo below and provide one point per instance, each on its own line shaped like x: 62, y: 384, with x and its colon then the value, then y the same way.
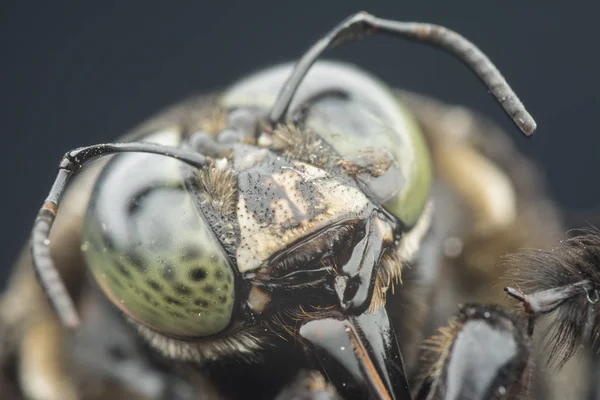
x: 152, y: 252
x: 389, y: 137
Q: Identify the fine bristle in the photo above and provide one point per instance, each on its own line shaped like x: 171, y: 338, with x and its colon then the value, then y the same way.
x: 389, y: 275
x: 303, y: 145
x: 219, y: 187
x: 565, y: 280
x: 243, y: 343
x: 285, y: 323
x: 435, y: 349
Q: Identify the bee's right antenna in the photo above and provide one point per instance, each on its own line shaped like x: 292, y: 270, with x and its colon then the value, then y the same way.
x: 362, y: 24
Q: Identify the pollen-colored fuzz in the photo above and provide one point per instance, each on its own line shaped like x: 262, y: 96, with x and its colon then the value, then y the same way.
x: 304, y: 145
x: 388, y: 276
x: 219, y: 187
x: 437, y: 347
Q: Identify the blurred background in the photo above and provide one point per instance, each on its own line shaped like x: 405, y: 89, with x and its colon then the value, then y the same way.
x: 77, y: 73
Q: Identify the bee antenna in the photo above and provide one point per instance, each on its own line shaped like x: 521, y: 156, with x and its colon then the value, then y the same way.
x: 362, y: 24
x: 74, y: 160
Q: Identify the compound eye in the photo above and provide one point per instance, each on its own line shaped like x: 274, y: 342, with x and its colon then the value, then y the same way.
x: 153, y: 253
x: 379, y: 142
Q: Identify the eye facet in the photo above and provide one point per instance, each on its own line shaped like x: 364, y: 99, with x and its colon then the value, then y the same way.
x: 153, y: 253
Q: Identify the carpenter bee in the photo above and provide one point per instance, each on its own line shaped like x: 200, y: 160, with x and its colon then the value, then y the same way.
x: 244, y: 244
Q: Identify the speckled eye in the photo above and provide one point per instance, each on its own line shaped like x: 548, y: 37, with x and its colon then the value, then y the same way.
x: 151, y: 250
x: 381, y: 143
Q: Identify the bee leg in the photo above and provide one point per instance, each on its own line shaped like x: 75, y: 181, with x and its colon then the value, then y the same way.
x: 484, y: 352
x: 546, y: 301
x: 309, y: 385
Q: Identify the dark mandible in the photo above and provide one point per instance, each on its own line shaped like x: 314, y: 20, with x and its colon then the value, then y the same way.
x: 73, y: 161
x: 362, y: 24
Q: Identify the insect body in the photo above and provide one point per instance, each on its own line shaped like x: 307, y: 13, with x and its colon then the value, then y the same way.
x: 483, y: 353
x: 282, y: 208
x: 159, y: 234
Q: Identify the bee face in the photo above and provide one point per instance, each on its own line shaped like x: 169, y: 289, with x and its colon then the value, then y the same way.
x: 203, y: 259
x: 206, y: 254
x: 287, y: 205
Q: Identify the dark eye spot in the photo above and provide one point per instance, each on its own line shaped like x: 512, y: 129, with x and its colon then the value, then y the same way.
x: 208, y: 289
x: 183, y: 289
x: 146, y: 295
x: 141, y: 292
x: 190, y: 253
x: 155, y: 286
x: 172, y: 301
x: 176, y: 315
x: 122, y: 269
x: 222, y: 299
x: 201, y: 302
x: 137, y: 262
x: 198, y: 274
x: 108, y: 242
x: 115, y: 281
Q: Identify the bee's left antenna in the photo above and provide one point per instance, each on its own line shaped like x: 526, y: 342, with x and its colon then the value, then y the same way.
x: 74, y: 160
x: 362, y: 24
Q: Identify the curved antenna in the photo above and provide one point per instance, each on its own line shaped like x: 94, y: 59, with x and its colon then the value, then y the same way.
x: 362, y: 24
x: 73, y: 161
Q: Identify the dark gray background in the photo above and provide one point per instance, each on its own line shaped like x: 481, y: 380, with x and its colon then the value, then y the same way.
x: 77, y: 73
